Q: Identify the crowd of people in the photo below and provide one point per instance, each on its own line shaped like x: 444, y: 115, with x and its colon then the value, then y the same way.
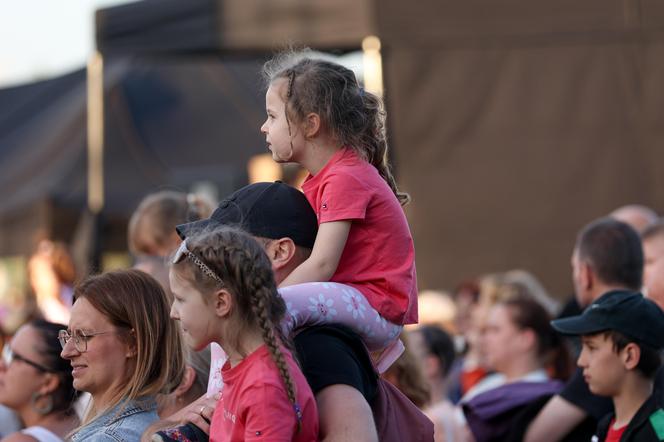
x: 288, y: 315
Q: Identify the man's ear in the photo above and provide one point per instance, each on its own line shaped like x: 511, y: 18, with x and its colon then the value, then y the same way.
x: 222, y: 302
x: 188, y: 379
x: 280, y: 251
x: 528, y: 338
x: 631, y: 355
x: 587, y: 275
x: 312, y: 125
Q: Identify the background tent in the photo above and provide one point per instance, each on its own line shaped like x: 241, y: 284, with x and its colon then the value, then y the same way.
x: 169, y: 123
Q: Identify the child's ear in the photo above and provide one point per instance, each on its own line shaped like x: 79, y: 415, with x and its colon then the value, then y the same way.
x: 312, y: 125
x: 631, y: 355
x: 222, y: 302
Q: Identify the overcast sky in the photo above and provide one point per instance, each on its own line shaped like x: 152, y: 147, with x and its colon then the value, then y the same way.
x: 45, y: 38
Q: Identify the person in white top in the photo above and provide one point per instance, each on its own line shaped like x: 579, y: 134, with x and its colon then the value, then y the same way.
x: 37, y: 384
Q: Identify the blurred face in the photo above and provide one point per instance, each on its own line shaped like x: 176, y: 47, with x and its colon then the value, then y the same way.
x: 280, y: 140
x: 501, y: 339
x: 198, y: 321
x: 20, y: 378
x: 602, y: 366
x: 105, y: 366
x: 653, y: 276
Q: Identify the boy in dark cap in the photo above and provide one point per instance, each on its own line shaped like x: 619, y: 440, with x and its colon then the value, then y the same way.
x: 622, y: 333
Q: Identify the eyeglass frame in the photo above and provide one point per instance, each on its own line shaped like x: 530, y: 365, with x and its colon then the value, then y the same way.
x: 183, y: 252
x: 64, y: 337
x: 9, y: 356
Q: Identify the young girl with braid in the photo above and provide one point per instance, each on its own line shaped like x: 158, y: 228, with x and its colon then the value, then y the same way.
x: 225, y: 292
x: 320, y: 117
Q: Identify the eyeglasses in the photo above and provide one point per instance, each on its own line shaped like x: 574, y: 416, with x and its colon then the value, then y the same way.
x: 80, y: 339
x: 183, y: 252
x: 9, y: 356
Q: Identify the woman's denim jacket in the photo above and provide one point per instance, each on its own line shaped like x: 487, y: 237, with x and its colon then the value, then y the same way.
x: 123, y: 423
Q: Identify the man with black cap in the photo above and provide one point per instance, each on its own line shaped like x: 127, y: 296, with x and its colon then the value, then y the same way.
x: 333, y: 359
x: 621, y: 334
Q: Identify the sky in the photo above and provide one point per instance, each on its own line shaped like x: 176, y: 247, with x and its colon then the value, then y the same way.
x: 45, y: 38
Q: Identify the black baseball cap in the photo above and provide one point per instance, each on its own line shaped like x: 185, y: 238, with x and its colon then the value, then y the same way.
x: 629, y: 313
x: 269, y: 210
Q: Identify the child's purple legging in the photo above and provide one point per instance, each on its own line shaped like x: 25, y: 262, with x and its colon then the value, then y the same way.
x: 319, y: 303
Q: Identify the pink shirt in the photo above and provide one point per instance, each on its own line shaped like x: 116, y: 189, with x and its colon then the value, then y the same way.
x: 254, y: 405
x: 379, y: 256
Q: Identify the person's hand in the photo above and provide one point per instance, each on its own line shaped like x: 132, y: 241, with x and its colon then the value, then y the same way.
x: 200, y: 412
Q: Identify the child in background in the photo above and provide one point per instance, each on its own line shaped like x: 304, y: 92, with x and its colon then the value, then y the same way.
x: 622, y: 333
x: 225, y: 292
x: 363, y: 260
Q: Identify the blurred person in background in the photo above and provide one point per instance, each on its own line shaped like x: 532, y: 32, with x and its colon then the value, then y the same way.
x: 37, y: 383
x: 518, y: 344
x: 151, y: 234
x: 52, y: 274
x: 635, y: 215
x: 653, y: 272
x: 406, y: 374
x: 193, y: 385
x: 525, y: 354
x: 124, y: 350
x: 434, y: 349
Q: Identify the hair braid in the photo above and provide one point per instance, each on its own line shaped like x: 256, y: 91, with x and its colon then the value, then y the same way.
x: 258, y: 304
x: 246, y: 272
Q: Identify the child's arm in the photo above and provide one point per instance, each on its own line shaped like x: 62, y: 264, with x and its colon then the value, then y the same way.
x: 324, y: 259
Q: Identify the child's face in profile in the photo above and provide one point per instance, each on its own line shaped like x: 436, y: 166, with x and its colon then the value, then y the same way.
x: 281, y: 140
x: 602, y: 365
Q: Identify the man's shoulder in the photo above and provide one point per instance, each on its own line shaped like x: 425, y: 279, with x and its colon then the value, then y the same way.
x: 331, y: 355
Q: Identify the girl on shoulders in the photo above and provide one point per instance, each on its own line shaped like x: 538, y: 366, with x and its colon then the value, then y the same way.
x: 320, y: 117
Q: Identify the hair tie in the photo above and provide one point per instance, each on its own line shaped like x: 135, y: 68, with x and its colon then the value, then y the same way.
x: 298, y: 412
x: 291, y: 80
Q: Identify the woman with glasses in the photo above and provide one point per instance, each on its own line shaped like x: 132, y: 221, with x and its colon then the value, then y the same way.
x: 37, y: 383
x: 123, y: 350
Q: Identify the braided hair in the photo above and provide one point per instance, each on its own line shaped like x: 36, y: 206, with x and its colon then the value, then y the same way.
x: 354, y: 116
x: 246, y: 272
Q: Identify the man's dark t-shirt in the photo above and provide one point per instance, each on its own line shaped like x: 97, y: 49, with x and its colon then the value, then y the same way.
x: 332, y: 354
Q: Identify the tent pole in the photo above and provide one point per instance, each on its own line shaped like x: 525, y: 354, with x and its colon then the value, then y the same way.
x: 95, y: 85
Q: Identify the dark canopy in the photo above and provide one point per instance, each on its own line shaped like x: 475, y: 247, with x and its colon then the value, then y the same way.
x: 168, y: 123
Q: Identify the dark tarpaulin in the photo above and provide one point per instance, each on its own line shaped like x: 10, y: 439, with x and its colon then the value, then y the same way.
x: 169, y: 123
x: 516, y: 123
x: 232, y: 26
x: 158, y: 27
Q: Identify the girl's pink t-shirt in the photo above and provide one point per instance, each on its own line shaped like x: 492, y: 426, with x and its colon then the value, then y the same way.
x: 379, y: 256
x: 254, y: 405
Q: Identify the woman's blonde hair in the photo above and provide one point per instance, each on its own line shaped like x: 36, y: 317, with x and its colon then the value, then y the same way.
x: 134, y: 301
x: 246, y: 272
x: 154, y: 220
